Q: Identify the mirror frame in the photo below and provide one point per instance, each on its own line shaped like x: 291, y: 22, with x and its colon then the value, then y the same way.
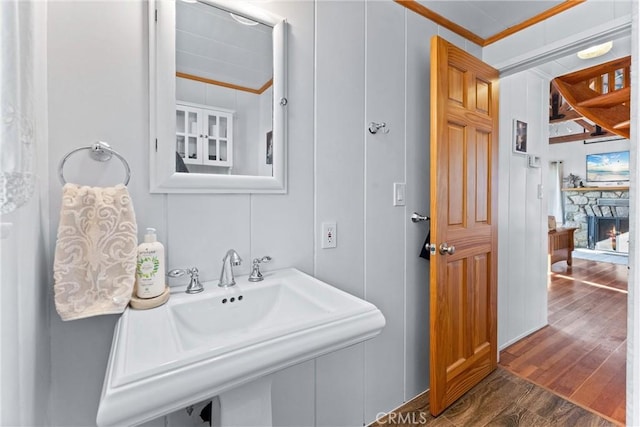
x: 162, y: 101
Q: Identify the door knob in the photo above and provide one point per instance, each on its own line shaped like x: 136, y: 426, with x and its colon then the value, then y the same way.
x: 444, y: 249
x: 416, y: 217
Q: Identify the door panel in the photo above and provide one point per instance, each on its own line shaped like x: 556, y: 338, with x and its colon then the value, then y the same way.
x: 464, y: 154
x: 482, y: 175
x: 456, y: 172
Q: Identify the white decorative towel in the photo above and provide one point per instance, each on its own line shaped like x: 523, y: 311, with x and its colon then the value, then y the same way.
x: 95, y: 259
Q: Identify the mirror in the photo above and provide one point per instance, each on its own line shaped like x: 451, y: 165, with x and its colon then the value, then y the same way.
x: 218, y: 104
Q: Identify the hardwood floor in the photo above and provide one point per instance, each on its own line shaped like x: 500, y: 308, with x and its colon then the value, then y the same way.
x: 501, y: 399
x: 579, y: 357
x: 581, y: 354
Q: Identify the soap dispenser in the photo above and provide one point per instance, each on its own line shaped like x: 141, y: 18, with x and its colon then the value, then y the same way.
x: 150, y: 269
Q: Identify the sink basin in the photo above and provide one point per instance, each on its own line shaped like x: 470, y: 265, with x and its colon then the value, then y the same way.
x: 198, y: 346
x: 224, y: 321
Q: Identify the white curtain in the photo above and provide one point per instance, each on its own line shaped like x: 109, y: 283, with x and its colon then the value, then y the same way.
x: 20, y: 51
x: 554, y: 184
x: 24, y: 320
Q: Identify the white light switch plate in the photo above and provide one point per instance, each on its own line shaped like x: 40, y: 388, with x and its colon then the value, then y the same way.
x: 399, y: 193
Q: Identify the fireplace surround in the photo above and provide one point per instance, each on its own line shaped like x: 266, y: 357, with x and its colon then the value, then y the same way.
x: 603, y: 208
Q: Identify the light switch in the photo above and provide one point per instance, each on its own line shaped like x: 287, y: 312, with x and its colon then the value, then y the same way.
x: 399, y: 193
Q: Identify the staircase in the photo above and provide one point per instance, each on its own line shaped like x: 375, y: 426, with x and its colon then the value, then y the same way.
x: 601, y: 94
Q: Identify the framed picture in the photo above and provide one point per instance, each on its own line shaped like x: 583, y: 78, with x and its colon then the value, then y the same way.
x: 269, y: 150
x: 519, y: 137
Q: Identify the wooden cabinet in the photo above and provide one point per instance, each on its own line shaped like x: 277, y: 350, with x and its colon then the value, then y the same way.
x: 561, y: 245
x: 204, y: 136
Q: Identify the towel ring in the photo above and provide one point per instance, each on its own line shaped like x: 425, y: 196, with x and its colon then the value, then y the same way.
x: 101, y: 152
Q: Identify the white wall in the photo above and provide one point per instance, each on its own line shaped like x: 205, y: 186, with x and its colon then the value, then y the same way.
x: 574, y: 154
x: 95, y: 96
x: 575, y: 25
x: 373, y: 65
x: 349, y: 63
x: 522, y: 231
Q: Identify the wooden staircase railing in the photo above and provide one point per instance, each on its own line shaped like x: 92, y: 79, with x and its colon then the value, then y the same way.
x: 601, y: 94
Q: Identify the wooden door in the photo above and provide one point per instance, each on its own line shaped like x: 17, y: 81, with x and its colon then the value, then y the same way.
x: 464, y: 160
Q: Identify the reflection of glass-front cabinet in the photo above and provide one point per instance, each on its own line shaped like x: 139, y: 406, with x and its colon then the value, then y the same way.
x: 204, y: 136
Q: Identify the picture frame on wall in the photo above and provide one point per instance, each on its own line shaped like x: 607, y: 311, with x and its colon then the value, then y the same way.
x: 269, y: 148
x: 519, y: 137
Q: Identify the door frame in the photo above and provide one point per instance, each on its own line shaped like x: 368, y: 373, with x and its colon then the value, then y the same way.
x: 561, y: 48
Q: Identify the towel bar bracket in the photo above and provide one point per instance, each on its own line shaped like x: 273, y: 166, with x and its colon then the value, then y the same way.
x: 101, y: 152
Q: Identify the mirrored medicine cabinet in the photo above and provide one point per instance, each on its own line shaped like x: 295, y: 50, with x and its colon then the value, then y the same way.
x: 217, y: 98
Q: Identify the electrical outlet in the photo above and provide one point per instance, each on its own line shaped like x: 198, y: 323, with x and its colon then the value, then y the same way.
x: 329, y: 238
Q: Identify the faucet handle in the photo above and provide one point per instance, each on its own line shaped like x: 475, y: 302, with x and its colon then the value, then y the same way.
x: 256, y: 275
x: 194, y: 285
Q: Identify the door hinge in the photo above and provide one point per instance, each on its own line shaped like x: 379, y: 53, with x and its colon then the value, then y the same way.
x: 156, y: 145
x: 156, y: 15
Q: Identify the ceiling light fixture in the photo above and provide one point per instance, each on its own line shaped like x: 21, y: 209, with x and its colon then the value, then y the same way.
x: 595, y: 51
x: 243, y: 20
x: 190, y: 1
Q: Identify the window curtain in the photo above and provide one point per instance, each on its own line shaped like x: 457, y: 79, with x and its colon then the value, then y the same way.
x: 21, y: 51
x: 555, y: 205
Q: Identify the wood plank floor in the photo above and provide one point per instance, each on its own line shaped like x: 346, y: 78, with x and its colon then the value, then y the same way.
x: 581, y: 354
x: 501, y: 399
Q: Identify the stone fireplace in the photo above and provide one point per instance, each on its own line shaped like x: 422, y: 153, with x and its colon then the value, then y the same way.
x: 595, y: 211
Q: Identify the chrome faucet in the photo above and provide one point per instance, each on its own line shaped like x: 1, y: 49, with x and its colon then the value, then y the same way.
x: 226, y: 275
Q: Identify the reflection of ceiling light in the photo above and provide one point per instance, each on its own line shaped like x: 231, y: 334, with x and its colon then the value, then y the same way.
x: 243, y: 20
x: 595, y: 51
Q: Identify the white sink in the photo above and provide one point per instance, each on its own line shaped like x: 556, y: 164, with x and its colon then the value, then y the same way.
x: 198, y: 346
x: 257, y: 313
